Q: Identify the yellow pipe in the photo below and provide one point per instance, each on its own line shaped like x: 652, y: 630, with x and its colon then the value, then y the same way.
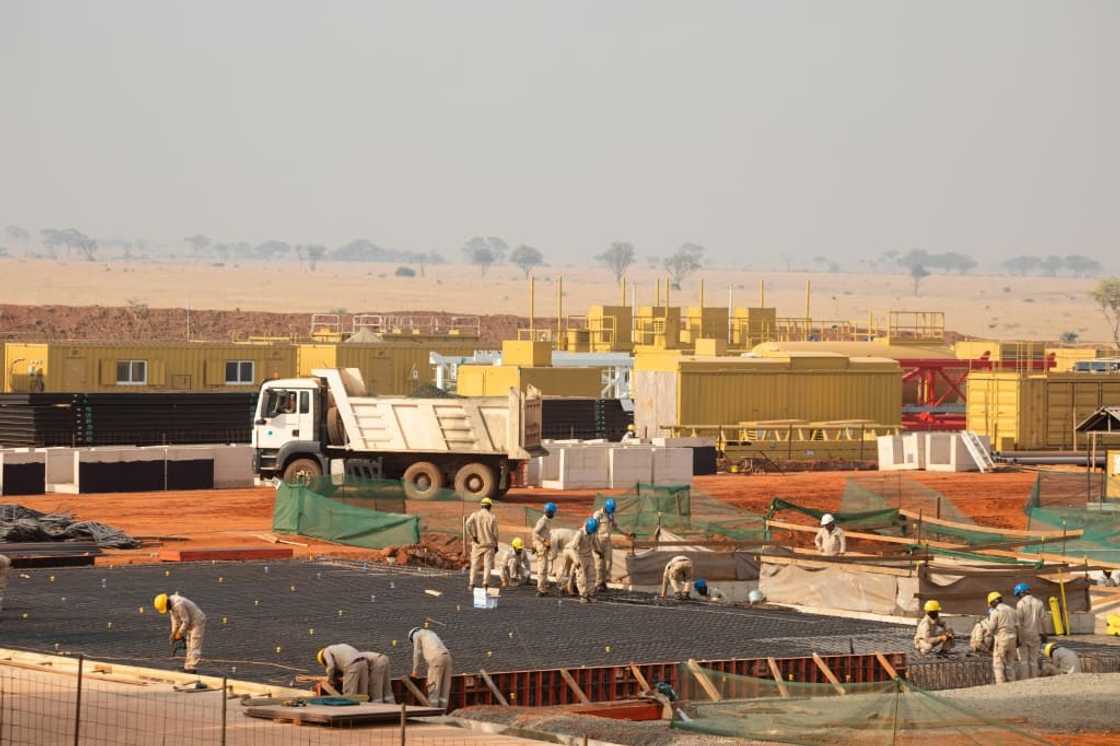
x: 658, y: 299
x: 1065, y: 604
x: 762, y: 293
x: 808, y: 295
x: 1056, y: 617
x: 559, y: 309
x: 701, y: 295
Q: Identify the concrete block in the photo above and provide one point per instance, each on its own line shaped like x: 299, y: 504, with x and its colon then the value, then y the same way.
x: 233, y: 466
x: 630, y: 465
x: 22, y: 472
x: 533, y: 472
x: 672, y: 466
x: 61, y: 469
x: 901, y: 452
x: 581, y: 467
x: 947, y: 452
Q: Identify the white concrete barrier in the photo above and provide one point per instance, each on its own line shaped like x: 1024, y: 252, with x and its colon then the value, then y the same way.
x: 672, y: 466
x: 630, y: 465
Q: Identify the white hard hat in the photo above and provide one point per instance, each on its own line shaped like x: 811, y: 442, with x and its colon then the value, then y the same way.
x: 756, y: 596
x: 827, y: 519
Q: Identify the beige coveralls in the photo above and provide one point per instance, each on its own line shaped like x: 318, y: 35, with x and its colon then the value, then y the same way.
x: 830, y: 543
x: 482, y: 530
x: 344, y: 662
x: 980, y: 641
x: 542, y: 545
x: 513, y: 566
x: 678, y: 576
x: 605, y: 553
x: 5, y: 568
x: 576, y: 560
x: 925, y: 637
x: 1005, y: 639
x: 1032, y: 616
x: 187, y: 620
x: 426, y: 645
x: 379, y: 678
x: 1061, y: 661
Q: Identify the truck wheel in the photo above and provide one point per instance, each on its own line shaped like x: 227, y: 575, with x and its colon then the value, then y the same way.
x: 302, y: 471
x: 422, y: 480
x: 476, y: 480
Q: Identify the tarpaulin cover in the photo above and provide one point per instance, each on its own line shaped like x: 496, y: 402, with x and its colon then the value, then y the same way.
x: 645, y: 568
x: 301, y: 510
x: 968, y: 595
x: 837, y: 587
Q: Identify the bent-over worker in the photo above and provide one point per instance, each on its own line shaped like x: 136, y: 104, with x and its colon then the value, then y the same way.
x: 980, y: 640
x: 708, y: 593
x: 1005, y: 635
x: 482, y: 530
x: 678, y: 576
x: 933, y: 637
x: 347, y: 670
x: 426, y: 645
x: 542, y: 545
x: 380, y: 680
x: 5, y: 569
x: 577, y: 558
x: 187, y: 621
x: 830, y: 539
x: 513, y: 564
x: 1059, y: 660
x: 1031, y: 615
x: 604, y: 555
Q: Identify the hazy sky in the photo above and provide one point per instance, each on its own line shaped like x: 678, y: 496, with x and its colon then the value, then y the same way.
x: 755, y: 129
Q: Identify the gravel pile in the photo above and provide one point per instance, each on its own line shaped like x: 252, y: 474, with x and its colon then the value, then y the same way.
x: 1077, y: 702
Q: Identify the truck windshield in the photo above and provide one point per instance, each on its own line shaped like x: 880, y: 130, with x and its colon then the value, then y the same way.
x: 280, y: 401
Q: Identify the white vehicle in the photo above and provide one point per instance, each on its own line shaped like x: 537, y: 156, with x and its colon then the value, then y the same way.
x: 303, y: 424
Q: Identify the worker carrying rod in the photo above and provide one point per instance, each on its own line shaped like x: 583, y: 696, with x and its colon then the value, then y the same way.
x: 482, y: 530
x: 187, y: 622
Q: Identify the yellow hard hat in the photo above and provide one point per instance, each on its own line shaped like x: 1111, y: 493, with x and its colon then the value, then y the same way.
x: 486, y: 501
x: 1048, y: 649
x: 932, y: 605
x: 160, y: 602
x: 995, y: 596
x: 321, y: 656
x: 630, y: 428
x: 517, y: 543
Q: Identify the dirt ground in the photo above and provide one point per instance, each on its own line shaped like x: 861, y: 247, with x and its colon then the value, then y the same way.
x: 977, y: 305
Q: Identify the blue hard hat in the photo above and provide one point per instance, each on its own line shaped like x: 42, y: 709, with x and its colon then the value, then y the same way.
x: 1020, y: 589
x: 550, y: 509
x: 609, y: 505
x: 701, y: 585
x: 591, y: 526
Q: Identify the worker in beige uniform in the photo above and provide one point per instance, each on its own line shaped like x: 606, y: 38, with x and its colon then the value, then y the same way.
x: 709, y: 593
x: 542, y: 546
x: 5, y: 569
x: 513, y: 564
x: 1031, y: 614
x: 1059, y: 660
x: 482, y: 530
x: 577, y: 558
x: 187, y: 621
x: 379, y: 676
x: 980, y: 640
x: 347, y: 670
x: 1005, y: 635
x: 933, y: 637
x: 830, y: 539
x: 604, y: 555
x: 678, y: 576
x: 427, y: 646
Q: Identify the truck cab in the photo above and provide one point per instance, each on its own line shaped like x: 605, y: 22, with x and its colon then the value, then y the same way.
x: 287, y: 422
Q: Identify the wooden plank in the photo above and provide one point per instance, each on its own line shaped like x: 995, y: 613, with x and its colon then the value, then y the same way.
x: 351, y: 715
x: 95, y: 674
x: 573, y: 686
x: 705, y: 683
x: 493, y: 688
x: 641, y: 679
x: 886, y: 664
x: 777, y: 674
x: 990, y: 529
x: 419, y: 695
x: 203, y: 554
x: 828, y: 674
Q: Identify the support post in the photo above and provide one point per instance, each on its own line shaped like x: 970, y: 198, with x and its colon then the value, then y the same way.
x: 78, y: 703
x: 404, y: 719
x: 493, y: 688
x: 705, y: 683
x: 571, y: 682
x: 225, y: 703
x: 777, y: 674
x: 828, y: 674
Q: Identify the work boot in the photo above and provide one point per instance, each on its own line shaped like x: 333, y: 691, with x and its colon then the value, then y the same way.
x: 601, y: 587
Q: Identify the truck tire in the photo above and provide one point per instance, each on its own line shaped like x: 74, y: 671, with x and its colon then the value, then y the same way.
x: 476, y: 480
x: 336, y: 433
x: 302, y: 471
x: 422, y: 480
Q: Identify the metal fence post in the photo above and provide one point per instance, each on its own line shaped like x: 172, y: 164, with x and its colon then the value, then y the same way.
x: 404, y: 717
x: 78, y: 702
x: 225, y: 700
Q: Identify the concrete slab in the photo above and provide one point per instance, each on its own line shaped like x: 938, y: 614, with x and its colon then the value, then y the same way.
x: 630, y: 465
x: 672, y: 466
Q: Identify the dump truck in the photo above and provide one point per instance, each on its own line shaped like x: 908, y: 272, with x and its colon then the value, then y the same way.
x: 303, y: 425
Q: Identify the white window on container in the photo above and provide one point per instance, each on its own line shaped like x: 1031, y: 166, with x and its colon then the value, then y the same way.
x: 240, y: 372
x: 132, y: 372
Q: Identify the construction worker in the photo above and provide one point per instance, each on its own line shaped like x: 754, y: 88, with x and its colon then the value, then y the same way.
x: 631, y: 435
x: 513, y: 564
x: 427, y: 645
x: 482, y: 530
x: 830, y: 538
x: 678, y: 576
x: 1005, y: 635
x: 1031, y: 614
x: 980, y: 640
x: 5, y: 569
x: 708, y: 593
x: 933, y: 637
x: 1059, y: 660
x: 379, y: 677
x: 576, y: 560
x: 187, y: 621
x: 542, y: 545
x: 347, y: 670
x: 1107, y: 579
x: 603, y: 556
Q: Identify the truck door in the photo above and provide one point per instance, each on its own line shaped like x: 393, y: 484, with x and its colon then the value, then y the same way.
x: 288, y: 415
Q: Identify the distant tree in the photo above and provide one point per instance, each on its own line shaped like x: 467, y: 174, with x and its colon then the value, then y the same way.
x: 683, y: 263
x: 198, y: 242
x: 1082, y: 266
x: 314, y: 253
x: 222, y: 251
x: 827, y: 265
x: 271, y: 249
x: 917, y: 274
x: 496, y: 246
x: 953, y: 262
x: 1052, y: 265
x: 1021, y: 265
x: 1069, y: 338
x: 3, y: 251
x: 653, y: 262
x: 481, y: 257
x: 70, y: 239
x: 526, y: 257
x: 359, y: 250
x: 15, y: 233
x: 617, y: 258
x: 405, y: 272
x: 1107, y: 295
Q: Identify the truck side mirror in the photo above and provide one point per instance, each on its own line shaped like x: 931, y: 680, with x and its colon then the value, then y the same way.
x: 262, y: 421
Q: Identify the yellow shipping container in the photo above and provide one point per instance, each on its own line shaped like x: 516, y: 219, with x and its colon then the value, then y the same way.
x: 609, y: 328
x: 1027, y: 412
x: 709, y: 322
x: 1066, y: 357
x: 996, y: 349
x: 390, y: 368
x: 672, y: 389
x: 186, y: 366
x: 497, y: 380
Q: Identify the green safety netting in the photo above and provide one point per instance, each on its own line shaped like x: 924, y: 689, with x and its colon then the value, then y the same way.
x: 347, y: 513
x: 891, y: 712
x: 1071, y: 501
x: 867, y: 519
